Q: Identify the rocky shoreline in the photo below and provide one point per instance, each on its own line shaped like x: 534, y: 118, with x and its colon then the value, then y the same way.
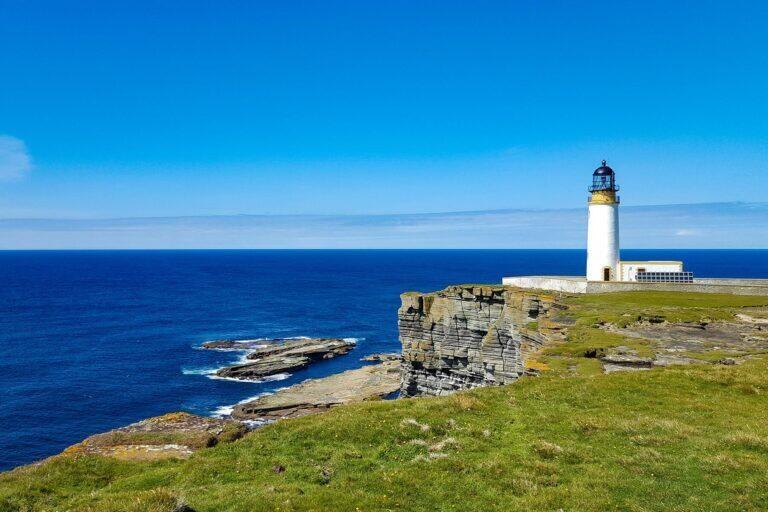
x: 274, y: 357
x: 458, y: 338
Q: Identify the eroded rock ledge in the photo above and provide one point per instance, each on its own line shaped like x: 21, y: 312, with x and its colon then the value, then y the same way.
x: 279, y: 356
x: 312, y: 396
x: 470, y: 336
x: 173, y: 435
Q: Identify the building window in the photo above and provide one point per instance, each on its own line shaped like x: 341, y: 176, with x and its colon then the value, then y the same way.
x: 665, y: 277
x: 607, y: 274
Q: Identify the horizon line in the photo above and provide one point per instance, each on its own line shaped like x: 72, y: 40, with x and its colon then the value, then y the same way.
x: 402, y: 214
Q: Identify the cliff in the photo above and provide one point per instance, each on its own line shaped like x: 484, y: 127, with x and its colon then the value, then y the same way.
x: 542, y: 444
x: 470, y: 336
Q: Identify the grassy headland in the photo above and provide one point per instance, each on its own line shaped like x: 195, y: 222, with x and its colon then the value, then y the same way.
x: 678, y: 438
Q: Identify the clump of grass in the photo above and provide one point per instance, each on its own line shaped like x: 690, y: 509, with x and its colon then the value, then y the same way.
x: 466, y: 402
x: 547, y: 450
x: 749, y: 440
x: 412, y: 422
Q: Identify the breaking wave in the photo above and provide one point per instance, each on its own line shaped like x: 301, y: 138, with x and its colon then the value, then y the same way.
x: 225, y: 411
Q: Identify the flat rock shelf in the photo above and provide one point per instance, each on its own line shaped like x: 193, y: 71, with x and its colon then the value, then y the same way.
x: 312, y: 396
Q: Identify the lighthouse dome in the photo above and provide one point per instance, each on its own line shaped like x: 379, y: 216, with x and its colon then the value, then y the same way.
x: 603, y: 170
x: 604, y: 179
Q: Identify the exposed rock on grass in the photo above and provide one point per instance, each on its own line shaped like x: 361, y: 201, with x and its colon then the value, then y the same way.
x: 618, y: 362
x: 702, y: 337
x: 174, y: 435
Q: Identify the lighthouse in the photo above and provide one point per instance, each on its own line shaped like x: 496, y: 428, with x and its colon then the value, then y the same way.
x: 603, y: 227
x: 605, y: 270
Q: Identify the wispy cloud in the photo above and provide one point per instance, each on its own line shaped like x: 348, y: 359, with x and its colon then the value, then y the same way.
x: 15, y: 162
x: 709, y: 225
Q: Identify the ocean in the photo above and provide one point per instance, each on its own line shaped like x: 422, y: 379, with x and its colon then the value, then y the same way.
x: 93, y: 340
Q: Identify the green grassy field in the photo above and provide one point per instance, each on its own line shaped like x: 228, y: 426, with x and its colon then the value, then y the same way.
x: 679, y: 438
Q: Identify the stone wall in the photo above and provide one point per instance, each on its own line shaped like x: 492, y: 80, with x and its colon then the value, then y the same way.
x: 569, y: 284
x: 469, y: 336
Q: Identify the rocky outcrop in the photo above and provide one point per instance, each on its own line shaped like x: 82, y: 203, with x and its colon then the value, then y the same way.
x: 175, y: 435
x: 744, y: 334
x: 313, y: 396
x: 264, y: 367
x: 680, y: 343
x: 381, y: 357
x: 469, y: 336
x: 286, y: 356
x: 312, y: 348
x: 624, y: 362
x: 236, y: 344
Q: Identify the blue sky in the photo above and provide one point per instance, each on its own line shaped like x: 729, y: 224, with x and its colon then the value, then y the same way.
x: 172, y: 109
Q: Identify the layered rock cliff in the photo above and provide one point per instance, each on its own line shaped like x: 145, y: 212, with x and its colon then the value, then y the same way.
x: 469, y: 336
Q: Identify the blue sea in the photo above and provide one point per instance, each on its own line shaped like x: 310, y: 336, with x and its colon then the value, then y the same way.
x: 93, y: 340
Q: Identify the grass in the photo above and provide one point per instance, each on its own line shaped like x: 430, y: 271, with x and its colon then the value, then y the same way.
x: 679, y: 438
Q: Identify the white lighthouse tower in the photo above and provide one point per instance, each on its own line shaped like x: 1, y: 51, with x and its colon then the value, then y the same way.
x: 603, y: 227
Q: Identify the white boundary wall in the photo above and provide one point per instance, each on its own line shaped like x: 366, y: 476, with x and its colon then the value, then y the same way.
x: 554, y: 283
x: 568, y: 284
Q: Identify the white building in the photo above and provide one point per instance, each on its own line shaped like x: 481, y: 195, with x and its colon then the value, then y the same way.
x: 603, y: 259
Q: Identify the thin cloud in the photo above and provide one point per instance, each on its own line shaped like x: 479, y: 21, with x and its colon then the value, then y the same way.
x: 723, y: 225
x: 15, y: 162
x: 689, y: 232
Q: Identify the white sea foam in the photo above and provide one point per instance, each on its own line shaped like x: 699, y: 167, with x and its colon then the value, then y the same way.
x: 243, y: 359
x: 223, y: 411
x: 226, y: 410
x: 198, y: 371
x: 270, y: 378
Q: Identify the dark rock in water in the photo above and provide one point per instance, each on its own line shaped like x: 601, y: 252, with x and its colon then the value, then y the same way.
x: 264, y: 367
x: 313, y: 396
x: 382, y: 357
x: 171, y: 436
x: 235, y: 345
x: 313, y: 348
x: 284, y: 356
